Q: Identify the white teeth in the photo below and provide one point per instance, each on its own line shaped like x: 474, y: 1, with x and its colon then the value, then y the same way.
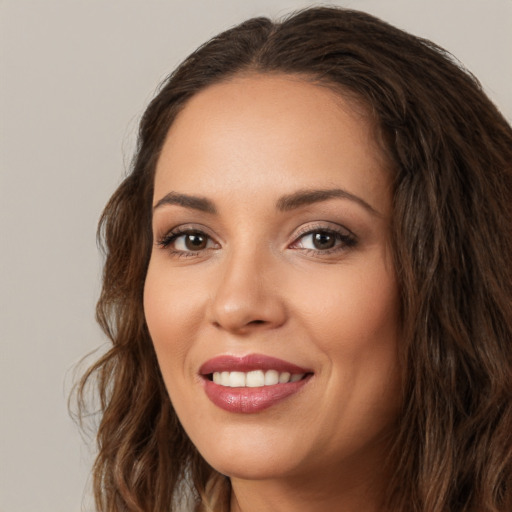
x: 271, y: 378
x: 236, y: 379
x: 284, y: 377
x: 255, y: 378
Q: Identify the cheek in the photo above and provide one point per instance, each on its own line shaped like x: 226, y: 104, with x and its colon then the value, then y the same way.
x: 351, y: 310
x: 171, y: 312
x: 354, y: 320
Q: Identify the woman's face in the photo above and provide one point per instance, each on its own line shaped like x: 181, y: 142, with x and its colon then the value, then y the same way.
x: 271, y: 297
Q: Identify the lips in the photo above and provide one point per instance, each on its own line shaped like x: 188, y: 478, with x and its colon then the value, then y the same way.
x: 249, y: 363
x: 251, y: 383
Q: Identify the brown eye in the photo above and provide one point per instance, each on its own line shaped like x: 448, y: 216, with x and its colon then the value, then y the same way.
x: 189, y: 241
x: 323, y: 240
x: 195, y: 241
x: 320, y: 240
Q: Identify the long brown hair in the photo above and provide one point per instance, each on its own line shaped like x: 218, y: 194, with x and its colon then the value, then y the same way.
x: 450, y: 152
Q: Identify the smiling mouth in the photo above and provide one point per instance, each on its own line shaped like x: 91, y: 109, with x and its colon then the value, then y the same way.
x: 254, y: 379
x: 251, y: 383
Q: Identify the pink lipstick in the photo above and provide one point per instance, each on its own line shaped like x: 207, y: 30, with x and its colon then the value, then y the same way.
x: 251, y: 383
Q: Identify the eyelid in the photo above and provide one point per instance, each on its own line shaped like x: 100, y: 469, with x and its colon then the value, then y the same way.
x: 346, y: 237
x: 169, y: 235
x: 323, y: 226
x: 186, y: 227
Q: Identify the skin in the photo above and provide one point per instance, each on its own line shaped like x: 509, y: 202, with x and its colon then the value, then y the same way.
x: 260, y: 285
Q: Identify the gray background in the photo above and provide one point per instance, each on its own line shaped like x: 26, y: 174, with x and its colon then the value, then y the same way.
x: 74, y: 78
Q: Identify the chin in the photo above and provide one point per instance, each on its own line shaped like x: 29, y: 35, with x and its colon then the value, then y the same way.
x: 257, y: 466
x: 251, y: 455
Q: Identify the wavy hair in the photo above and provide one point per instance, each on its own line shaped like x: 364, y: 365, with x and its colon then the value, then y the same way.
x: 450, y: 152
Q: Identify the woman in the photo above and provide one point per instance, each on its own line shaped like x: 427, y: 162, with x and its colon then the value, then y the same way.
x: 308, y: 283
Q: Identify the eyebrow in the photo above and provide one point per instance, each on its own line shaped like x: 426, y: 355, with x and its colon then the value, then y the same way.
x: 307, y: 197
x: 284, y: 203
x: 196, y: 203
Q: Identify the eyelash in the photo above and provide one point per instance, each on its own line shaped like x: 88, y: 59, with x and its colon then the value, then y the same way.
x: 167, y: 241
x: 344, y: 239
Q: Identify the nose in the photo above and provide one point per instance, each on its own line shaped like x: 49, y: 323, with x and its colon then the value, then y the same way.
x: 247, y: 297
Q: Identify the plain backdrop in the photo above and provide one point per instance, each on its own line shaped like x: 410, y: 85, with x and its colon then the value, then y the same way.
x: 74, y: 79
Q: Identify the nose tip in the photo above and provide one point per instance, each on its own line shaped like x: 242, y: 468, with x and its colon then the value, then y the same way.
x: 244, y: 319
x: 246, y: 301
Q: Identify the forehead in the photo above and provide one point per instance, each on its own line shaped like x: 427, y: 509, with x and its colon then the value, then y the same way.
x: 238, y: 133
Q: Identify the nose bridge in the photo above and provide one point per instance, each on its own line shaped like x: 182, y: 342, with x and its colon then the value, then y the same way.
x: 247, y: 297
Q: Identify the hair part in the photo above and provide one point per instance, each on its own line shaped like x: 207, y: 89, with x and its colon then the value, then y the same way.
x: 450, y: 155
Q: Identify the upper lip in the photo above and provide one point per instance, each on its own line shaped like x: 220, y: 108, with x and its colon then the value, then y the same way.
x: 230, y: 363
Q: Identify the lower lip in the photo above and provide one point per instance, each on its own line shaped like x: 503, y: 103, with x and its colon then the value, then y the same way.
x: 251, y: 400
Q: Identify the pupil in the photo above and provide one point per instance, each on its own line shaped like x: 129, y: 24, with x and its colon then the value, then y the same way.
x: 323, y: 241
x: 195, y: 241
